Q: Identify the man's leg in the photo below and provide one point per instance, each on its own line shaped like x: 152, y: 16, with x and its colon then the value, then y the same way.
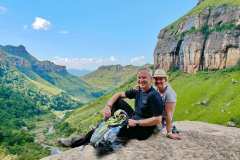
x: 121, y: 104
x: 83, y: 141
x: 138, y: 132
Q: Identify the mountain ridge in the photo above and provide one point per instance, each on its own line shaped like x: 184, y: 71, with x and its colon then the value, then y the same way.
x: 46, y: 72
x: 111, y: 76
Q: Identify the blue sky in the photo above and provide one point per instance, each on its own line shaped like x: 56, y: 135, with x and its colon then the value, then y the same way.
x: 85, y: 34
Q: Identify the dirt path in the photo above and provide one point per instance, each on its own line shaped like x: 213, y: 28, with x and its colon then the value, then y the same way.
x: 201, y: 141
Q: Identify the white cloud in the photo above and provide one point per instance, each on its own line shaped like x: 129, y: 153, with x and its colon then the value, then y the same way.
x: 63, y: 32
x: 41, y: 24
x: 3, y: 9
x: 138, y: 61
x: 84, y: 63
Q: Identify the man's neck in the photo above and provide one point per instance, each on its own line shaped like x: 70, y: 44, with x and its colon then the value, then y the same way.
x: 146, y: 89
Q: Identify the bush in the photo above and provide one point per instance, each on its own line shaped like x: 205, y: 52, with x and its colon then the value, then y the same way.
x: 236, y: 120
x: 64, y: 129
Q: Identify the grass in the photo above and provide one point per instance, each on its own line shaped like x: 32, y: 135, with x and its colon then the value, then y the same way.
x: 46, y: 88
x: 212, y: 4
x: 5, y: 156
x: 206, y: 96
x: 74, y: 86
x: 206, y: 30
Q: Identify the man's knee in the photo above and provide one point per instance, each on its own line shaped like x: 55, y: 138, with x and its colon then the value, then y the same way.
x: 121, y: 104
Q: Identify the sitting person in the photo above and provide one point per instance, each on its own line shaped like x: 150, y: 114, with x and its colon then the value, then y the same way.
x: 169, y: 100
x: 143, y: 119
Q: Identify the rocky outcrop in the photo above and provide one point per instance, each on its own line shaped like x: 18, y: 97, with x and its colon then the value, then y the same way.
x: 48, y: 66
x: 18, y: 51
x: 209, y: 39
x: 117, y: 67
x: 200, y: 141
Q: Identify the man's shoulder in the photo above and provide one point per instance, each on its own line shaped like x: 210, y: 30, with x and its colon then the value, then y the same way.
x: 154, y: 93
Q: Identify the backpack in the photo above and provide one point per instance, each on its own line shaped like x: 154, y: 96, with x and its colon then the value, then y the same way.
x: 104, y: 138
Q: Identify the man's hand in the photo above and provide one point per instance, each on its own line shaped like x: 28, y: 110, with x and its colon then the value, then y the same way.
x: 132, y: 123
x: 174, y: 136
x: 106, y: 112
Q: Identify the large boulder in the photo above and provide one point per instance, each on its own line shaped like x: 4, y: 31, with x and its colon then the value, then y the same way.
x: 200, y: 141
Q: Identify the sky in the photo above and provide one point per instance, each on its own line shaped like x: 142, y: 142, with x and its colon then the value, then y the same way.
x: 85, y: 34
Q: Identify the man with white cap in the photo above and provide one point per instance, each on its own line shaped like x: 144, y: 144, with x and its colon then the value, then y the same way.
x: 169, y: 98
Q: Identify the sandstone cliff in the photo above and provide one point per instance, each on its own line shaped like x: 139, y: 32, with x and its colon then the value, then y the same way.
x: 208, y: 37
x: 200, y: 141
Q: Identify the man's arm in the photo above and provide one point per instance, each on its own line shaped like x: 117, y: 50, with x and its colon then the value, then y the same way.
x: 156, y: 106
x: 111, y: 101
x: 145, y: 122
x: 169, y: 108
x: 114, y: 98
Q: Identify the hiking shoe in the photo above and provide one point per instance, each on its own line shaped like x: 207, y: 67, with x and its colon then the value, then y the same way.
x: 66, y: 142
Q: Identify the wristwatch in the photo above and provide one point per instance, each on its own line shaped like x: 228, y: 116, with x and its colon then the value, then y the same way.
x: 138, y: 123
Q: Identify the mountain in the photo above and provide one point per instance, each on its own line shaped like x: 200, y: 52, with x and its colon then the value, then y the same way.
x: 78, y: 72
x: 207, y: 38
x: 47, y: 76
x: 110, y: 77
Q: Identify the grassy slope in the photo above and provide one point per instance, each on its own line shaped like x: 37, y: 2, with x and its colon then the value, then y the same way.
x: 74, y: 86
x: 216, y: 88
x: 213, y: 4
x: 108, y: 79
x: 42, y: 84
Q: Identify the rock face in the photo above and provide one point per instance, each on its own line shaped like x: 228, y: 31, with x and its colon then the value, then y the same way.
x: 200, y: 141
x: 209, y: 39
